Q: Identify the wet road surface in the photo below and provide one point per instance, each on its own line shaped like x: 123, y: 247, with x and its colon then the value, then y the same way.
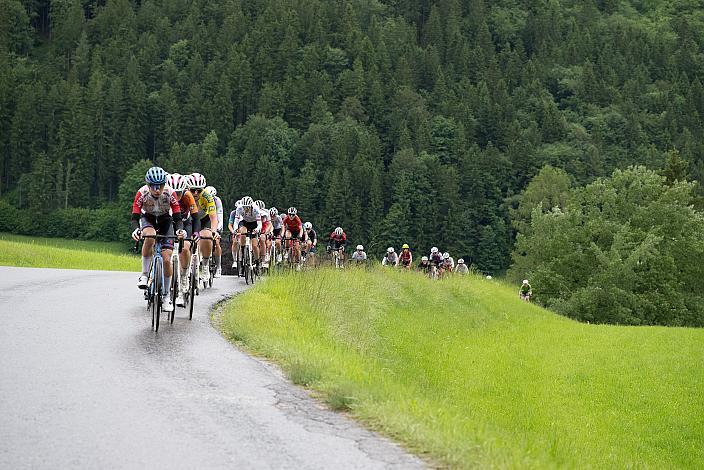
x: 85, y: 383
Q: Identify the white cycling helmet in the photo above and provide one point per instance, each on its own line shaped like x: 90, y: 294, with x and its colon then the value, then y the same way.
x: 424, y: 258
x: 525, y: 281
x: 196, y: 181
x: 460, y: 261
x: 489, y: 277
x: 273, y: 212
x: 180, y: 184
x: 434, y: 249
x: 172, y: 180
x: 292, y: 211
x: 446, y: 255
x: 260, y: 204
x: 360, y: 247
x: 338, y: 231
x: 247, y: 201
x: 390, y: 249
x: 308, y: 226
x: 211, y: 190
x: 238, y: 203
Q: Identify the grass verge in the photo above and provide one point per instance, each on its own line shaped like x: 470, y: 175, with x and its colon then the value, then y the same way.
x: 33, y: 252
x: 464, y: 371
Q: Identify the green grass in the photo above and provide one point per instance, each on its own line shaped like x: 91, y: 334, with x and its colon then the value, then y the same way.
x: 17, y: 250
x: 464, y: 372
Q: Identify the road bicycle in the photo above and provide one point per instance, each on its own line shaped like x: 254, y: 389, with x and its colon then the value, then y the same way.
x: 292, y: 258
x: 338, y: 257
x: 246, y: 265
x: 155, y: 290
x: 193, y: 276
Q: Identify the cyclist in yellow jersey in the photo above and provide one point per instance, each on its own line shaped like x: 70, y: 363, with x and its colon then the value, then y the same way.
x: 208, y: 219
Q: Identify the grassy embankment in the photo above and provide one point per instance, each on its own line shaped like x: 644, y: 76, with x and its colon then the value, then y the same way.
x: 34, y: 252
x: 465, y: 372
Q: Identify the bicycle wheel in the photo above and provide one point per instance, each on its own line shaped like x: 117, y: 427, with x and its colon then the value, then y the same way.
x: 156, y: 309
x: 245, y: 267
x: 192, y: 287
x: 175, y: 274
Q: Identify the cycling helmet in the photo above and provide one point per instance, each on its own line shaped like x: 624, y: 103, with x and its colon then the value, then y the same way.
x: 308, y: 226
x: 211, y: 190
x: 260, y: 204
x: 405, y: 246
x: 424, y: 258
x: 196, y: 181
x: 292, y: 211
x: 434, y: 249
x: 180, y: 184
x: 172, y: 180
x: 525, y: 281
x: 247, y: 201
x: 460, y: 261
x: 155, y: 175
x: 489, y: 277
x: 390, y: 249
x: 338, y: 231
x: 446, y: 255
x: 273, y: 212
x: 360, y: 247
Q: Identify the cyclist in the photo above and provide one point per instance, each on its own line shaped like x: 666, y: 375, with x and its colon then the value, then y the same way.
x: 249, y: 222
x: 191, y: 223
x: 207, y: 213
x: 391, y: 258
x: 277, y: 229
x: 359, y: 255
x: 405, y: 258
x: 525, y: 291
x: 219, y: 212
x: 311, y: 241
x: 435, y: 259
x: 461, y: 268
x: 234, y: 245
x: 155, y: 211
x: 293, y: 228
x: 265, y: 236
x: 448, y: 264
x: 424, y: 265
x: 338, y: 238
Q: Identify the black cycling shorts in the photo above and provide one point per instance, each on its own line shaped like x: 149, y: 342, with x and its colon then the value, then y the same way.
x: 251, y: 227
x: 164, y: 226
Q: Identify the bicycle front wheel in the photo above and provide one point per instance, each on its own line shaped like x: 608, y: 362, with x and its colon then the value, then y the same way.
x: 158, y: 288
x: 193, y: 281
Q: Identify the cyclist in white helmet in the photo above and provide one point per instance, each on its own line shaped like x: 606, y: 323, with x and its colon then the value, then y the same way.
x: 235, y: 244
x: 249, y: 223
x: 461, y: 268
x: 277, y: 230
x: 265, y: 235
x: 207, y: 212
x: 338, y: 239
x: 311, y: 242
x: 219, y: 213
x: 390, y: 258
x: 359, y: 255
x: 293, y: 226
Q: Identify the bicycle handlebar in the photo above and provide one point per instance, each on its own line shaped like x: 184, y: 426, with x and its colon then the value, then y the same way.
x: 163, y: 237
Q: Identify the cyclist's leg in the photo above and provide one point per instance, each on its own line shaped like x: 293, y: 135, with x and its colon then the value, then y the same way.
x: 167, y: 246
x: 218, y: 255
x: 185, y: 255
x: 206, y: 244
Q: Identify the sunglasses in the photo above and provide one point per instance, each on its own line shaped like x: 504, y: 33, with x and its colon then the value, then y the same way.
x: 156, y: 187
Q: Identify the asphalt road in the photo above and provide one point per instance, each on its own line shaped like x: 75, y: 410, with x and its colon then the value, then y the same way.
x: 85, y: 383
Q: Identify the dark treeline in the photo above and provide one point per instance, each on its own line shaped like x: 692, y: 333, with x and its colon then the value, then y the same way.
x: 403, y: 121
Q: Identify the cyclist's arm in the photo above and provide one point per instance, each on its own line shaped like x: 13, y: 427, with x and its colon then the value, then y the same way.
x: 259, y: 222
x: 176, y: 212
x: 218, y: 212
x: 136, y: 211
x: 196, y: 224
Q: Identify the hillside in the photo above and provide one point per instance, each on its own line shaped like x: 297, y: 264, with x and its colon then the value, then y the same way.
x: 367, y: 114
x: 464, y: 372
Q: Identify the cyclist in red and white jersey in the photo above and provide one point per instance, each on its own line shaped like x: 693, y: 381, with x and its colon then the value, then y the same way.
x: 155, y: 211
x: 338, y: 239
x: 293, y: 228
x: 191, y: 223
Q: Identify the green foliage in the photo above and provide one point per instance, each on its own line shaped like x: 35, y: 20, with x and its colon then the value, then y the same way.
x: 625, y: 249
x: 311, y: 103
x: 464, y: 372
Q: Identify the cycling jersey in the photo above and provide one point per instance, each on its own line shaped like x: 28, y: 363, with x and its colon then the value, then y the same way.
x: 405, y: 257
x: 462, y: 269
x: 249, y: 217
x: 312, y: 236
x: 276, y: 222
x: 233, y: 215
x: 435, y: 258
x: 359, y: 256
x: 292, y: 224
x: 148, y: 210
x: 218, y: 212
x: 338, y: 238
x: 424, y: 266
x: 187, y: 203
x: 206, y: 204
x: 448, y: 263
x: 525, y: 289
x: 390, y: 258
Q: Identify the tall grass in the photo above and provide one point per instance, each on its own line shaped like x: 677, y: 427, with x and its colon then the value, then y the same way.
x: 464, y: 371
x: 17, y: 250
